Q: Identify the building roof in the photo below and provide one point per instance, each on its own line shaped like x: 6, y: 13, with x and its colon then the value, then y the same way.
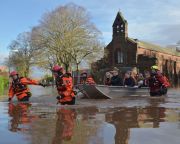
x: 3, y: 68
x: 119, y: 16
x: 158, y: 48
x: 154, y: 47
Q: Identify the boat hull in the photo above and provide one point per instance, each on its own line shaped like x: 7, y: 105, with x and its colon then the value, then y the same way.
x: 108, y: 92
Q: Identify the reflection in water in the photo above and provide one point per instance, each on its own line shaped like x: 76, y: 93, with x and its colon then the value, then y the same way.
x: 155, y: 101
x: 73, y: 126
x: 64, y: 125
x: 125, y: 118
x: 84, y: 125
x: 19, y: 116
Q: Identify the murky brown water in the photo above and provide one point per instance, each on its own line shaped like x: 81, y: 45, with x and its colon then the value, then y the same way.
x: 127, y: 120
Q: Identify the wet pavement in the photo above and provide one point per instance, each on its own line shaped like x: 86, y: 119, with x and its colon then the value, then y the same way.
x: 127, y: 120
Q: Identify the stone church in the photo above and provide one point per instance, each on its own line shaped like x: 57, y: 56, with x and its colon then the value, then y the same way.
x: 127, y: 53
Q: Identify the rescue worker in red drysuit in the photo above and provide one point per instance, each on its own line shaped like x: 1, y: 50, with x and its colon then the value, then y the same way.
x: 158, y: 83
x: 19, y: 116
x: 70, y: 76
x: 64, y: 85
x: 19, y: 87
x: 64, y: 125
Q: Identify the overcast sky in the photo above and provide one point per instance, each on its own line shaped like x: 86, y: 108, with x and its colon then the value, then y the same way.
x: 156, y: 21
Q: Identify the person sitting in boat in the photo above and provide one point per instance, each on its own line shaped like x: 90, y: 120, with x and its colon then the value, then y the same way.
x: 116, y: 80
x: 158, y: 84
x: 140, y: 80
x: 129, y: 81
x: 90, y: 80
x: 83, y: 77
x: 107, y: 79
x: 86, y: 79
x: 146, y: 79
x: 133, y: 74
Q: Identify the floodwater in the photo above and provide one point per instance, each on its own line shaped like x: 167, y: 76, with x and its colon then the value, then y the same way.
x: 127, y: 120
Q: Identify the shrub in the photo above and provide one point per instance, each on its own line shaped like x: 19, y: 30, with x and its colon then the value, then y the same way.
x: 3, y: 84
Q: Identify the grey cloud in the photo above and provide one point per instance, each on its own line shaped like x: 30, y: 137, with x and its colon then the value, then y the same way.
x: 169, y: 34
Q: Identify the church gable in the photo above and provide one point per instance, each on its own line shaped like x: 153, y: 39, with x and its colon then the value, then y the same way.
x: 119, y: 26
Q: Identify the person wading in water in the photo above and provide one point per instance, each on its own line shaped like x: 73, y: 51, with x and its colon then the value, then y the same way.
x: 19, y: 87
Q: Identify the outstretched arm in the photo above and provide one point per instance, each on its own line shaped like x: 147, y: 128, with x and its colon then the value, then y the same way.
x: 28, y: 81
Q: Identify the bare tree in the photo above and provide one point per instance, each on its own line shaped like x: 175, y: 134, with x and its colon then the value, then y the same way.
x: 26, y: 55
x: 68, y: 35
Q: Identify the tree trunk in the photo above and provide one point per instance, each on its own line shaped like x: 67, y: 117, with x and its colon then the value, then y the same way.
x: 66, y: 67
x: 26, y: 73
x: 77, y: 73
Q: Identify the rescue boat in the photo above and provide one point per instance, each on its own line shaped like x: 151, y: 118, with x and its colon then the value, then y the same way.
x: 111, y: 92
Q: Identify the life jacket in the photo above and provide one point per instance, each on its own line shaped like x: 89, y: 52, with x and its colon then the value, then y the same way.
x: 59, y: 84
x: 69, y: 83
x: 65, y: 88
x: 156, y: 82
x: 18, y: 87
x: 90, y: 80
x: 153, y: 81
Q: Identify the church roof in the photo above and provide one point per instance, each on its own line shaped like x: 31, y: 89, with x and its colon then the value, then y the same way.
x: 154, y: 47
x: 158, y: 48
x: 119, y: 16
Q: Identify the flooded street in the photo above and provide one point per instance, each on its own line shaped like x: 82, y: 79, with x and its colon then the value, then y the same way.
x: 127, y: 120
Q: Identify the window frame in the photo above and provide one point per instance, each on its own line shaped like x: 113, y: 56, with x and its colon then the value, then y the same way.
x: 120, y: 57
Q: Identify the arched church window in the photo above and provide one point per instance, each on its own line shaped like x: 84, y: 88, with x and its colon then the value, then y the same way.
x: 122, y: 25
x: 120, y: 57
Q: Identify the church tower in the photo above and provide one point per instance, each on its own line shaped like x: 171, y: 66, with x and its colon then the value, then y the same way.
x: 120, y: 27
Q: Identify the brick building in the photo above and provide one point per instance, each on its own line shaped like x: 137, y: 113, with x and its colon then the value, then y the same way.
x: 127, y: 53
